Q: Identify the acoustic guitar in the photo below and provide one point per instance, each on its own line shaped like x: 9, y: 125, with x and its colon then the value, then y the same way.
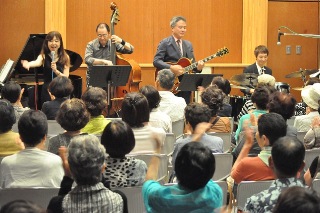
x: 188, y: 66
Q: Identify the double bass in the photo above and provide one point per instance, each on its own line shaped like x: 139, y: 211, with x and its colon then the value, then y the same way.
x: 118, y: 59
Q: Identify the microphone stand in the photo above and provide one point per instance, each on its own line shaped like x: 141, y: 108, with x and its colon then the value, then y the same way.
x: 36, y: 86
x: 292, y: 33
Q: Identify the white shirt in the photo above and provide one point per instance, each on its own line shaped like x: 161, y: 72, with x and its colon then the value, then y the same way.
x: 31, y: 167
x: 303, y: 122
x: 172, y: 105
x: 145, y: 143
x: 161, y: 120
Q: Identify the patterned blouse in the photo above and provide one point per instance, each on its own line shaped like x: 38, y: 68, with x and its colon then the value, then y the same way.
x: 124, y: 172
x: 267, y: 199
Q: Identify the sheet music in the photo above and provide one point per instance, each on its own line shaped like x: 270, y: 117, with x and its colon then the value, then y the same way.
x: 6, y: 70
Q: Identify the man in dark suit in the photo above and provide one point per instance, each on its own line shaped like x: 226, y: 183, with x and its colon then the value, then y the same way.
x: 172, y: 48
x: 259, y: 67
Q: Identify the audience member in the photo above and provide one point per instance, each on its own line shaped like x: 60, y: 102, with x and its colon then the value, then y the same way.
x: 300, y: 108
x: 9, y: 141
x: 213, y: 98
x: 157, y: 118
x: 264, y: 80
x: 271, y: 126
x: 260, y: 99
x: 121, y: 171
x: 85, y: 164
x: 31, y: 167
x: 61, y: 88
x: 280, y: 103
x: 297, y: 199
x: 13, y: 93
x: 21, y: 206
x: 96, y: 102
x: 135, y: 112
x: 196, y: 113
x: 195, y: 191
x: 310, y: 95
x: 72, y: 117
x: 169, y: 103
x: 224, y: 85
x: 287, y: 161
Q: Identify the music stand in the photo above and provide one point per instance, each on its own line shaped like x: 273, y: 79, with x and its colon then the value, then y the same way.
x: 190, y: 82
x: 114, y: 75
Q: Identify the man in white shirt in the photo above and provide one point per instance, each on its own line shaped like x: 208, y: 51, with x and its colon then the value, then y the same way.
x: 169, y: 103
x: 32, y: 167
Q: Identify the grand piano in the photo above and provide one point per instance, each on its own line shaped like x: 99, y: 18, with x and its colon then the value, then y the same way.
x: 34, y: 77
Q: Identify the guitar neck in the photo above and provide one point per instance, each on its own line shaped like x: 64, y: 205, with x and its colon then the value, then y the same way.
x: 194, y: 65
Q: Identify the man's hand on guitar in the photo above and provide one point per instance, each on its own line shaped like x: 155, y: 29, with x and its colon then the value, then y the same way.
x: 200, y: 65
x: 177, y: 70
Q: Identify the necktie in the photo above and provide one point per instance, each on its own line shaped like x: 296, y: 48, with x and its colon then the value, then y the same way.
x: 178, y: 43
x: 262, y: 70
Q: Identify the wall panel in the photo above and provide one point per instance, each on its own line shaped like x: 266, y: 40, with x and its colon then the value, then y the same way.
x: 302, y: 17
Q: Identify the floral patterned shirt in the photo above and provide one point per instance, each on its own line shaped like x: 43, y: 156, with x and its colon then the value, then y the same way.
x: 267, y: 199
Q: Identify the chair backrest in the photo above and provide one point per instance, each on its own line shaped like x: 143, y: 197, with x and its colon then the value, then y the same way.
x: 226, y: 137
x: 40, y: 196
x: 178, y: 128
x: 163, y: 167
x: 310, y: 155
x: 300, y: 135
x: 134, y: 197
x: 224, y: 186
x: 54, y: 128
x: 290, y: 121
x: 168, y: 145
x: 15, y: 127
x: 316, y: 185
x: 223, y: 166
x: 248, y: 188
x: 231, y: 124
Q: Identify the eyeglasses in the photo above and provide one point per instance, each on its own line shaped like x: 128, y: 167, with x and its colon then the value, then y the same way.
x: 102, y: 35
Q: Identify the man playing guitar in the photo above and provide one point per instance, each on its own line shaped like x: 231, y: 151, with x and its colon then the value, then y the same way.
x: 172, y: 48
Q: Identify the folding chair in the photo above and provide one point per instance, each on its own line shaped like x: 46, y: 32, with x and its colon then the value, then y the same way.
x: 54, y: 128
x: 316, y: 185
x: 134, y: 197
x: 310, y: 155
x: 178, y: 128
x: 223, y: 166
x: 248, y: 188
x: 169, y: 144
x: 224, y: 186
x: 40, y: 196
x: 163, y: 167
x: 300, y: 135
x: 226, y: 137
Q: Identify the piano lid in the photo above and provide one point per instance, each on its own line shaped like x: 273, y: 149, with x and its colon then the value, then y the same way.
x: 32, y: 49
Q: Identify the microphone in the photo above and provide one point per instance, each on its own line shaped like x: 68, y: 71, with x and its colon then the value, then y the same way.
x: 52, y: 57
x: 279, y: 35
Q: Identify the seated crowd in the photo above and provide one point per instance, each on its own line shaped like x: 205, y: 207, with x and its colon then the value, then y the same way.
x: 95, y: 155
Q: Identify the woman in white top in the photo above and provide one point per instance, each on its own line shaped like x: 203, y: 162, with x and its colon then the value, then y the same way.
x: 135, y: 112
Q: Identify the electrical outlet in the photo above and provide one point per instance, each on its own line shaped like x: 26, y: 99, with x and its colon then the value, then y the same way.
x: 288, y: 49
x: 298, y: 50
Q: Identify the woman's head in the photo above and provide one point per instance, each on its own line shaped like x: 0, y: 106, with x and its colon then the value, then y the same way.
x: 222, y: 84
x: 95, y: 99
x: 135, y: 109
x: 213, y: 98
x: 118, y: 139
x: 194, y: 165
x: 61, y: 87
x: 152, y: 95
x: 73, y: 115
x: 7, y: 116
x: 86, y: 157
x: 260, y: 97
x: 283, y: 104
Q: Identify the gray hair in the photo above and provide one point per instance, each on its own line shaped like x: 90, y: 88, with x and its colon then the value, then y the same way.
x: 166, y: 79
x: 175, y: 19
x: 86, y: 159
